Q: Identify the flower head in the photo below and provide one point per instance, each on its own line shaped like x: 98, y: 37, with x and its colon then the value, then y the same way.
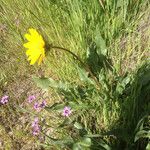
x: 36, y: 130
x: 31, y: 98
x: 43, y: 104
x: 35, y: 122
x: 36, y: 127
x: 35, y: 47
x: 4, y: 99
x: 37, y: 106
x: 66, y: 111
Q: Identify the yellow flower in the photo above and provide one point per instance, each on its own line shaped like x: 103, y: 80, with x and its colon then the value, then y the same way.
x: 35, y: 47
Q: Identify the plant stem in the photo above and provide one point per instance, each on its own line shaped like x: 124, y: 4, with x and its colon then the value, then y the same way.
x: 87, y: 68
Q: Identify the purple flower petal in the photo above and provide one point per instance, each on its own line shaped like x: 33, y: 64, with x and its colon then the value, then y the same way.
x: 66, y: 111
x: 31, y: 98
x: 35, y: 127
x: 43, y: 104
x: 37, y: 106
x: 4, y: 99
x: 35, y: 122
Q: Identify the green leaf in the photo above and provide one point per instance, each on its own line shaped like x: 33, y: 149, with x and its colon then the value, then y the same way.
x: 86, y: 142
x: 142, y: 134
x: 106, y: 146
x: 56, y: 106
x: 140, y: 124
x: 145, y: 78
x: 119, y: 88
x: 103, y: 144
x: 79, y: 105
x: 122, y: 84
x: 126, y: 80
x: 119, y: 4
x: 84, y: 76
x: 43, y: 83
x: 76, y: 146
x: 101, y: 44
x: 148, y: 146
x: 78, y: 126
x: 65, y: 123
x: 46, y: 83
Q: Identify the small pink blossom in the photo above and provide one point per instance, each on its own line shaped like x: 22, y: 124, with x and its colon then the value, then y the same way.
x: 4, y: 99
x: 66, y: 111
x: 37, y: 106
x: 35, y: 127
x: 36, y: 121
x: 43, y: 104
x: 36, y: 130
x: 31, y: 98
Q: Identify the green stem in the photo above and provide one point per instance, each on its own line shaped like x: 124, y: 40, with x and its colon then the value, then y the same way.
x: 79, y: 59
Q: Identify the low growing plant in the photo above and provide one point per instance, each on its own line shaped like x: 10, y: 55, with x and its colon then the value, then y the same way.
x: 100, y: 111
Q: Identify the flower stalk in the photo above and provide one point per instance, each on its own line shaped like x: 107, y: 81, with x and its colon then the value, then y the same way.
x: 87, y: 68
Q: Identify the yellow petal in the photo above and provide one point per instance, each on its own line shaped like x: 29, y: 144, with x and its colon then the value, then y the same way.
x: 33, y: 59
x: 28, y: 52
x: 26, y: 45
x: 33, y: 32
x: 35, y: 47
x: 28, y: 37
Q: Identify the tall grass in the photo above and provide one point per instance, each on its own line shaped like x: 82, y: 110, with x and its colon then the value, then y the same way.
x: 115, y: 28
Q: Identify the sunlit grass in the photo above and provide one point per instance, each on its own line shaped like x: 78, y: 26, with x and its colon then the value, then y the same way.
x: 123, y: 25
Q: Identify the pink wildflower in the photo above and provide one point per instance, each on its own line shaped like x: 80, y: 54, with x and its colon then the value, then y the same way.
x: 4, y: 99
x: 36, y: 127
x: 36, y: 121
x: 31, y: 98
x: 43, y: 104
x: 37, y: 106
x: 66, y: 111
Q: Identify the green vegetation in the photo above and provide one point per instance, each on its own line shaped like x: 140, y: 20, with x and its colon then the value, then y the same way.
x: 108, y: 92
